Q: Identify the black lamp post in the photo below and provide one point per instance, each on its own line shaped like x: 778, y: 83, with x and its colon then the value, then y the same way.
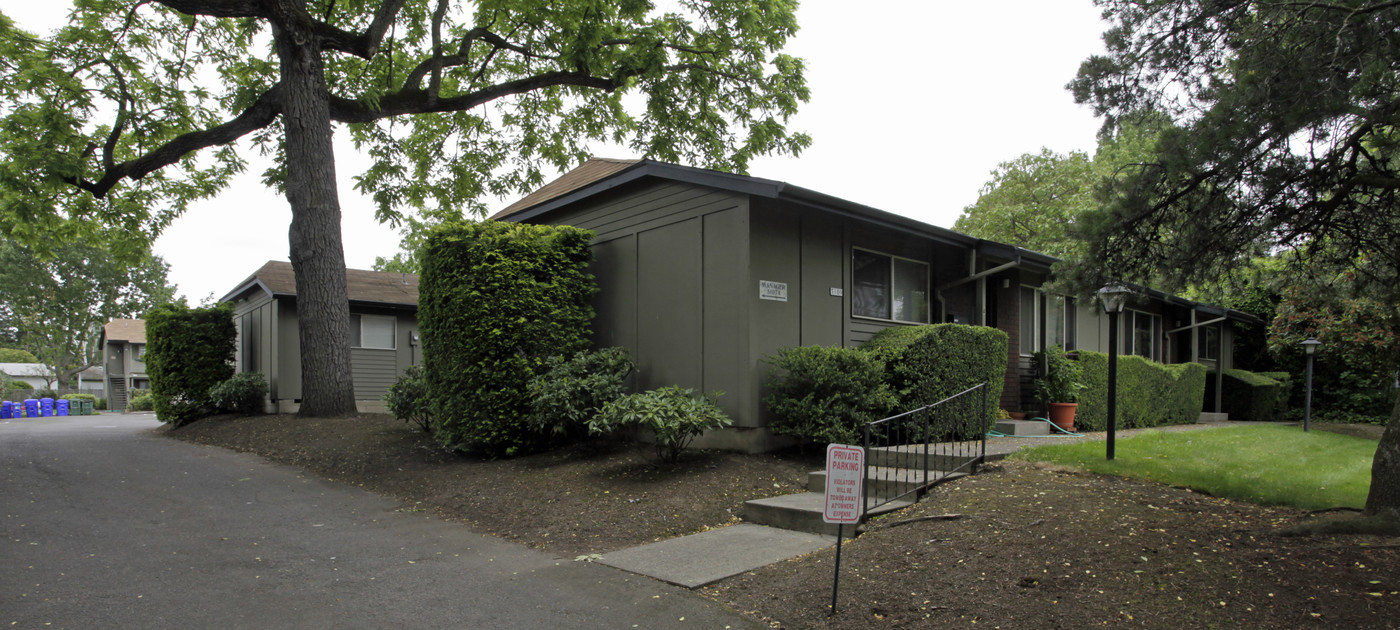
x: 1310, y: 347
x: 1114, y: 297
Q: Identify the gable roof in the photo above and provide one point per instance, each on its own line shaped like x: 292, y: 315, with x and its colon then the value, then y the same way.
x: 362, y: 286
x: 18, y: 370
x: 128, y: 330
x: 599, y: 175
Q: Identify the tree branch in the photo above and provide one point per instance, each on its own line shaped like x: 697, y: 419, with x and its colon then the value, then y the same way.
x: 217, y: 8
x: 260, y: 114
x: 363, y: 45
x: 417, y: 101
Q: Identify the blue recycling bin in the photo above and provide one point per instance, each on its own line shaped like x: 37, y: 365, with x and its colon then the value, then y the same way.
x: 6, y: 409
x: 31, y: 407
x: 46, y: 407
x: 60, y: 407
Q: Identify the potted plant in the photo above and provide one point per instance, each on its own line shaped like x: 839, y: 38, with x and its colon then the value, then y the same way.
x: 1059, y: 385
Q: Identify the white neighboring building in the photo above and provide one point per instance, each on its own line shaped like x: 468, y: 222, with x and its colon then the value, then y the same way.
x: 36, y: 374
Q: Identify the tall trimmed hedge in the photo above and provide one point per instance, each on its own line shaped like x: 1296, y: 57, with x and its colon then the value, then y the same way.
x: 495, y: 300
x: 929, y: 363
x: 188, y: 352
x: 1150, y: 394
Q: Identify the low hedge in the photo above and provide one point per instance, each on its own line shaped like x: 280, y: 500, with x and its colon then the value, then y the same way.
x: 1254, y: 397
x: 1150, y: 394
x: 930, y: 363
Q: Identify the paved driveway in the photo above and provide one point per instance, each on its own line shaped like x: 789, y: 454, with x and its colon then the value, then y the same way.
x: 106, y: 525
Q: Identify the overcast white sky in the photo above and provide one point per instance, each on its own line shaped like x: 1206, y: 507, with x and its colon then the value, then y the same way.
x: 914, y: 102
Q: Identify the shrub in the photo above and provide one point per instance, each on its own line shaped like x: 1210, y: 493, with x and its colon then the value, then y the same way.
x: 674, y: 415
x: 19, y: 385
x: 826, y: 395
x: 15, y: 355
x: 407, y: 399
x: 1150, y: 394
x: 1253, y: 397
x: 188, y: 352
x: 931, y: 363
x: 44, y: 393
x: 495, y: 301
x: 1063, y: 378
x: 565, y: 397
x: 101, y: 404
x: 142, y: 402
x: 242, y: 394
x: 80, y: 397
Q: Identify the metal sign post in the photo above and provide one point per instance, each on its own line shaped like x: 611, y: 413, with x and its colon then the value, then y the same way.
x: 845, y: 472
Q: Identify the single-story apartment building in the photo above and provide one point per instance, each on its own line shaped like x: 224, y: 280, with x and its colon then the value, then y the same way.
x: 36, y: 375
x: 123, y: 343
x: 703, y: 274
x: 383, y: 335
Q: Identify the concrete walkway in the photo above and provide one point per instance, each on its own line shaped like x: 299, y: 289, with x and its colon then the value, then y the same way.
x: 700, y: 559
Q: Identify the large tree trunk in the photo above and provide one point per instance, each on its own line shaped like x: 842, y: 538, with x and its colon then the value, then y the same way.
x: 318, y: 257
x: 1384, y: 498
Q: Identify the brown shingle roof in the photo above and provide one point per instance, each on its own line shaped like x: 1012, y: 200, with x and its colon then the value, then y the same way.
x: 591, y: 171
x: 129, y: 330
x: 361, y: 285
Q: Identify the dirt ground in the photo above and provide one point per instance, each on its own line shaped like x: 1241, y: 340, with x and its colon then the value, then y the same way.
x: 1018, y: 546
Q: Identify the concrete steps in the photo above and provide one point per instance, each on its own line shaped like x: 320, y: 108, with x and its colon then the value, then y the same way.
x: 802, y: 512
x: 884, y: 481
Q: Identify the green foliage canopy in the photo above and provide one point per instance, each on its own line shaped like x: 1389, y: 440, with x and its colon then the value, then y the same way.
x: 58, y: 298
x: 140, y: 106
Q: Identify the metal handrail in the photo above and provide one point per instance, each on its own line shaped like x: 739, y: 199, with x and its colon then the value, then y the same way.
x: 916, y: 435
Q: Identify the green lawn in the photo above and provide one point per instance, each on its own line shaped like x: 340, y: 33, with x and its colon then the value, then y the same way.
x: 1268, y: 464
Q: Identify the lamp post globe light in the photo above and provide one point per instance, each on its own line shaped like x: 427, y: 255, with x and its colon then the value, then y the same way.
x: 1114, y: 297
x: 1310, y: 347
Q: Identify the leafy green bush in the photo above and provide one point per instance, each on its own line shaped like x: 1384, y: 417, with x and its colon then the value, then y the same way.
x: 827, y: 395
x: 80, y: 397
x: 188, y: 352
x: 1150, y: 394
x: 44, y: 393
x: 407, y: 399
x: 242, y: 394
x: 931, y: 363
x: 19, y: 385
x: 15, y: 355
x: 495, y: 301
x: 1063, y: 378
x: 565, y: 397
x: 675, y: 416
x: 144, y: 401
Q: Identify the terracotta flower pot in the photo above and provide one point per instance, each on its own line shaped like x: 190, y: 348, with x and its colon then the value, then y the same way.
x: 1017, y: 415
x: 1062, y: 415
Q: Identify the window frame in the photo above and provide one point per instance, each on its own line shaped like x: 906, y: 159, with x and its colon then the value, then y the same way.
x: 927, y: 306
x: 358, y: 331
x: 1205, y: 338
x: 1130, y: 330
x: 1037, y: 319
x: 1067, y: 322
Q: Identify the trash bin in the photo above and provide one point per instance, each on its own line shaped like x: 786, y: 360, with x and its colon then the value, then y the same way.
x: 84, y: 407
x: 6, y: 408
x: 60, y: 407
x: 46, y: 407
x: 31, y: 407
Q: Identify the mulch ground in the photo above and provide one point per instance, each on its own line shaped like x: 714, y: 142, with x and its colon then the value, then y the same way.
x: 1017, y: 546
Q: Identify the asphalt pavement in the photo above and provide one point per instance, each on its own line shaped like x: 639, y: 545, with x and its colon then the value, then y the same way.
x: 108, y: 525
